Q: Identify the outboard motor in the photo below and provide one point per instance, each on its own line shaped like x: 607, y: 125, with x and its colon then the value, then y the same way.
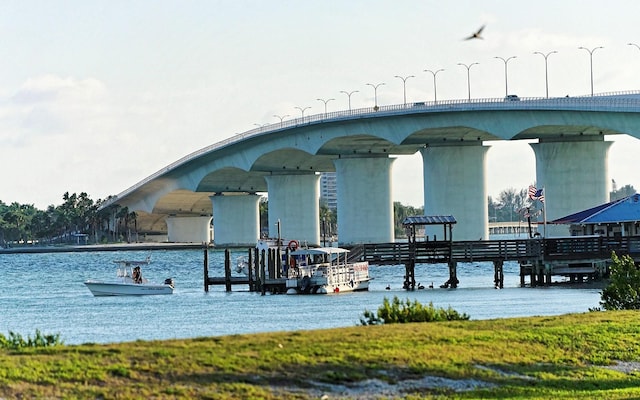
x: 169, y: 281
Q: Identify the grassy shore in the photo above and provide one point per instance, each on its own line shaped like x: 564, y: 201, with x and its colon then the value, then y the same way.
x: 578, y: 356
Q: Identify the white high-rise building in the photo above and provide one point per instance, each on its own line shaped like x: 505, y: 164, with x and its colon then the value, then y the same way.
x: 328, y: 192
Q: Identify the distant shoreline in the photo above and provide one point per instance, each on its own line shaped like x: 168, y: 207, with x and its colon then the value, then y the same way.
x: 101, y: 247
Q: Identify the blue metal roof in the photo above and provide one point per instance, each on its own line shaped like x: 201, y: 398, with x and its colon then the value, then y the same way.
x: 624, y: 210
x: 429, y: 220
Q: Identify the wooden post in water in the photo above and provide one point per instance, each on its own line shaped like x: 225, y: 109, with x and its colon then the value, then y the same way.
x: 206, y: 270
x: 540, y: 278
x: 453, y: 274
x: 250, y: 270
x: 534, y: 274
x: 227, y: 270
x: 410, y: 275
x: 498, y: 274
x: 262, y: 273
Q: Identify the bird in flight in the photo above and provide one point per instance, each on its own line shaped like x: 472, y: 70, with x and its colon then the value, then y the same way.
x: 476, y: 35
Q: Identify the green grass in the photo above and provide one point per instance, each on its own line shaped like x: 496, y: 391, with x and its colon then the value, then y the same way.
x: 561, y: 357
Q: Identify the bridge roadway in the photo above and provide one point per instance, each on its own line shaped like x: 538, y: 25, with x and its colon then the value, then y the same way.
x: 453, y: 137
x: 539, y: 258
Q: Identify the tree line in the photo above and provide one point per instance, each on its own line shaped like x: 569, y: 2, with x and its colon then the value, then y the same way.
x: 79, y: 219
x: 513, y: 205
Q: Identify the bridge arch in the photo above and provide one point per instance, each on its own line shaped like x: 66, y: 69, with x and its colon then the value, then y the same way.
x: 403, y: 129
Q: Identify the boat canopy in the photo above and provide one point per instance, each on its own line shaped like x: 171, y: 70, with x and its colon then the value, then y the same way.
x: 319, y: 251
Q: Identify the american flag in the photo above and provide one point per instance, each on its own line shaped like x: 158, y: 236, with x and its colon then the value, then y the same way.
x: 536, y: 194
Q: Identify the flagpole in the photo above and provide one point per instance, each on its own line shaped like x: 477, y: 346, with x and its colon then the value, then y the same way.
x: 544, y: 210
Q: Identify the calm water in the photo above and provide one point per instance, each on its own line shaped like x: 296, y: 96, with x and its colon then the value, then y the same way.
x: 46, y: 292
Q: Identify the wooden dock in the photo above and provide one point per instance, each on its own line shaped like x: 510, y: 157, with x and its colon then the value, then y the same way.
x: 263, y: 275
x: 578, y: 258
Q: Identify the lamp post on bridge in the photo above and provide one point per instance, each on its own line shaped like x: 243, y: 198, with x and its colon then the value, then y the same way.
x: 349, y: 96
x: 506, y: 81
x: 375, y: 94
x: 546, y: 69
x: 435, y: 93
x: 281, y: 118
x: 302, y: 110
x: 325, y: 104
x: 468, y: 67
x: 591, y: 62
x: 404, y: 85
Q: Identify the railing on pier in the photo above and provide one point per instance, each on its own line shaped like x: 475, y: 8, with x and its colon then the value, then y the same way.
x: 521, y: 250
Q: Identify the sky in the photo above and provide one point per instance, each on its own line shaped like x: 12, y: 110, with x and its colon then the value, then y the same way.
x: 97, y: 95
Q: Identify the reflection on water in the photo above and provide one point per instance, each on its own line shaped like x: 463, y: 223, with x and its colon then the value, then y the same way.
x: 46, y: 292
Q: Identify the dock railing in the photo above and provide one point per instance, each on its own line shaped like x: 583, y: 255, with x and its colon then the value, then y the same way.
x: 521, y: 250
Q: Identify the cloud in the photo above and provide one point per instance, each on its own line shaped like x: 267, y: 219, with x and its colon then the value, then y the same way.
x: 49, y: 105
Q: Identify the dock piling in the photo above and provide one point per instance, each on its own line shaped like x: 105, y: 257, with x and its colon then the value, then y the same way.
x: 206, y: 270
x: 498, y: 274
x: 227, y: 270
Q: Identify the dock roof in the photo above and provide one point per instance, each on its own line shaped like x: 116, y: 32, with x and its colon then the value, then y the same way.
x: 429, y: 220
x: 626, y: 209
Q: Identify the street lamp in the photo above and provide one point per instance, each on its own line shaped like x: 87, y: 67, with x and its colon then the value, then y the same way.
x: 375, y: 94
x: 325, y: 104
x: 546, y: 69
x: 435, y: 93
x: 404, y: 85
x: 506, y: 82
x: 633, y: 44
x: 281, y: 117
x: 349, y: 96
x: 468, y: 67
x: 591, y: 62
x: 302, y: 110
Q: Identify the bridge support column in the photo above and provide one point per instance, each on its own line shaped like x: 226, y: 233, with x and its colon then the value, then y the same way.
x: 189, y: 229
x: 365, y: 206
x: 455, y: 184
x: 236, y: 219
x: 575, y: 177
x: 294, y: 200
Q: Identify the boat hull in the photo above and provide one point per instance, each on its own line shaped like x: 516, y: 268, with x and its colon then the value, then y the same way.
x: 127, y: 289
x: 295, y: 288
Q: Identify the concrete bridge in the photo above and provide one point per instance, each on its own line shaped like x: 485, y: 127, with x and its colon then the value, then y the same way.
x: 284, y: 160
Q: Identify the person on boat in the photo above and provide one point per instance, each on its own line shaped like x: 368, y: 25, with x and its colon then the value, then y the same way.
x: 137, y: 275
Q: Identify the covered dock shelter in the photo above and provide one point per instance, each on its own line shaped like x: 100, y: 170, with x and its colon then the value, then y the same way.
x: 411, y: 224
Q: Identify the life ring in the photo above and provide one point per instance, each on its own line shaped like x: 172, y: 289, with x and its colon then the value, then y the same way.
x: 293, y: 245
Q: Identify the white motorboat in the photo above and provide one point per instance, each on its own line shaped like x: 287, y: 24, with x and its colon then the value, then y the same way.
x: 325, y: 270
x: 129, y: 282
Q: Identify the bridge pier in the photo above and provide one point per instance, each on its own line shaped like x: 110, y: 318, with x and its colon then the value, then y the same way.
x: 365, y: 206
x: 574, y: 174
x: 293, y: 200
x: 452, y: 187
x: 236, y: 219
x: 189, y: 229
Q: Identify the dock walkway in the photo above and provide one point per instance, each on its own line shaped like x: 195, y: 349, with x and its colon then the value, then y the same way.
x: 576, y: 257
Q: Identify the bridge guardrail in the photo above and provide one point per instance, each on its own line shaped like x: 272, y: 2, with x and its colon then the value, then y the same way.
x: 625, y: 101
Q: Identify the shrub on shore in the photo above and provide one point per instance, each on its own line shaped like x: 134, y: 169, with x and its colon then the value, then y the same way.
x: 399, y: 312
x: 623, y: 290
x: 15, y: 341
